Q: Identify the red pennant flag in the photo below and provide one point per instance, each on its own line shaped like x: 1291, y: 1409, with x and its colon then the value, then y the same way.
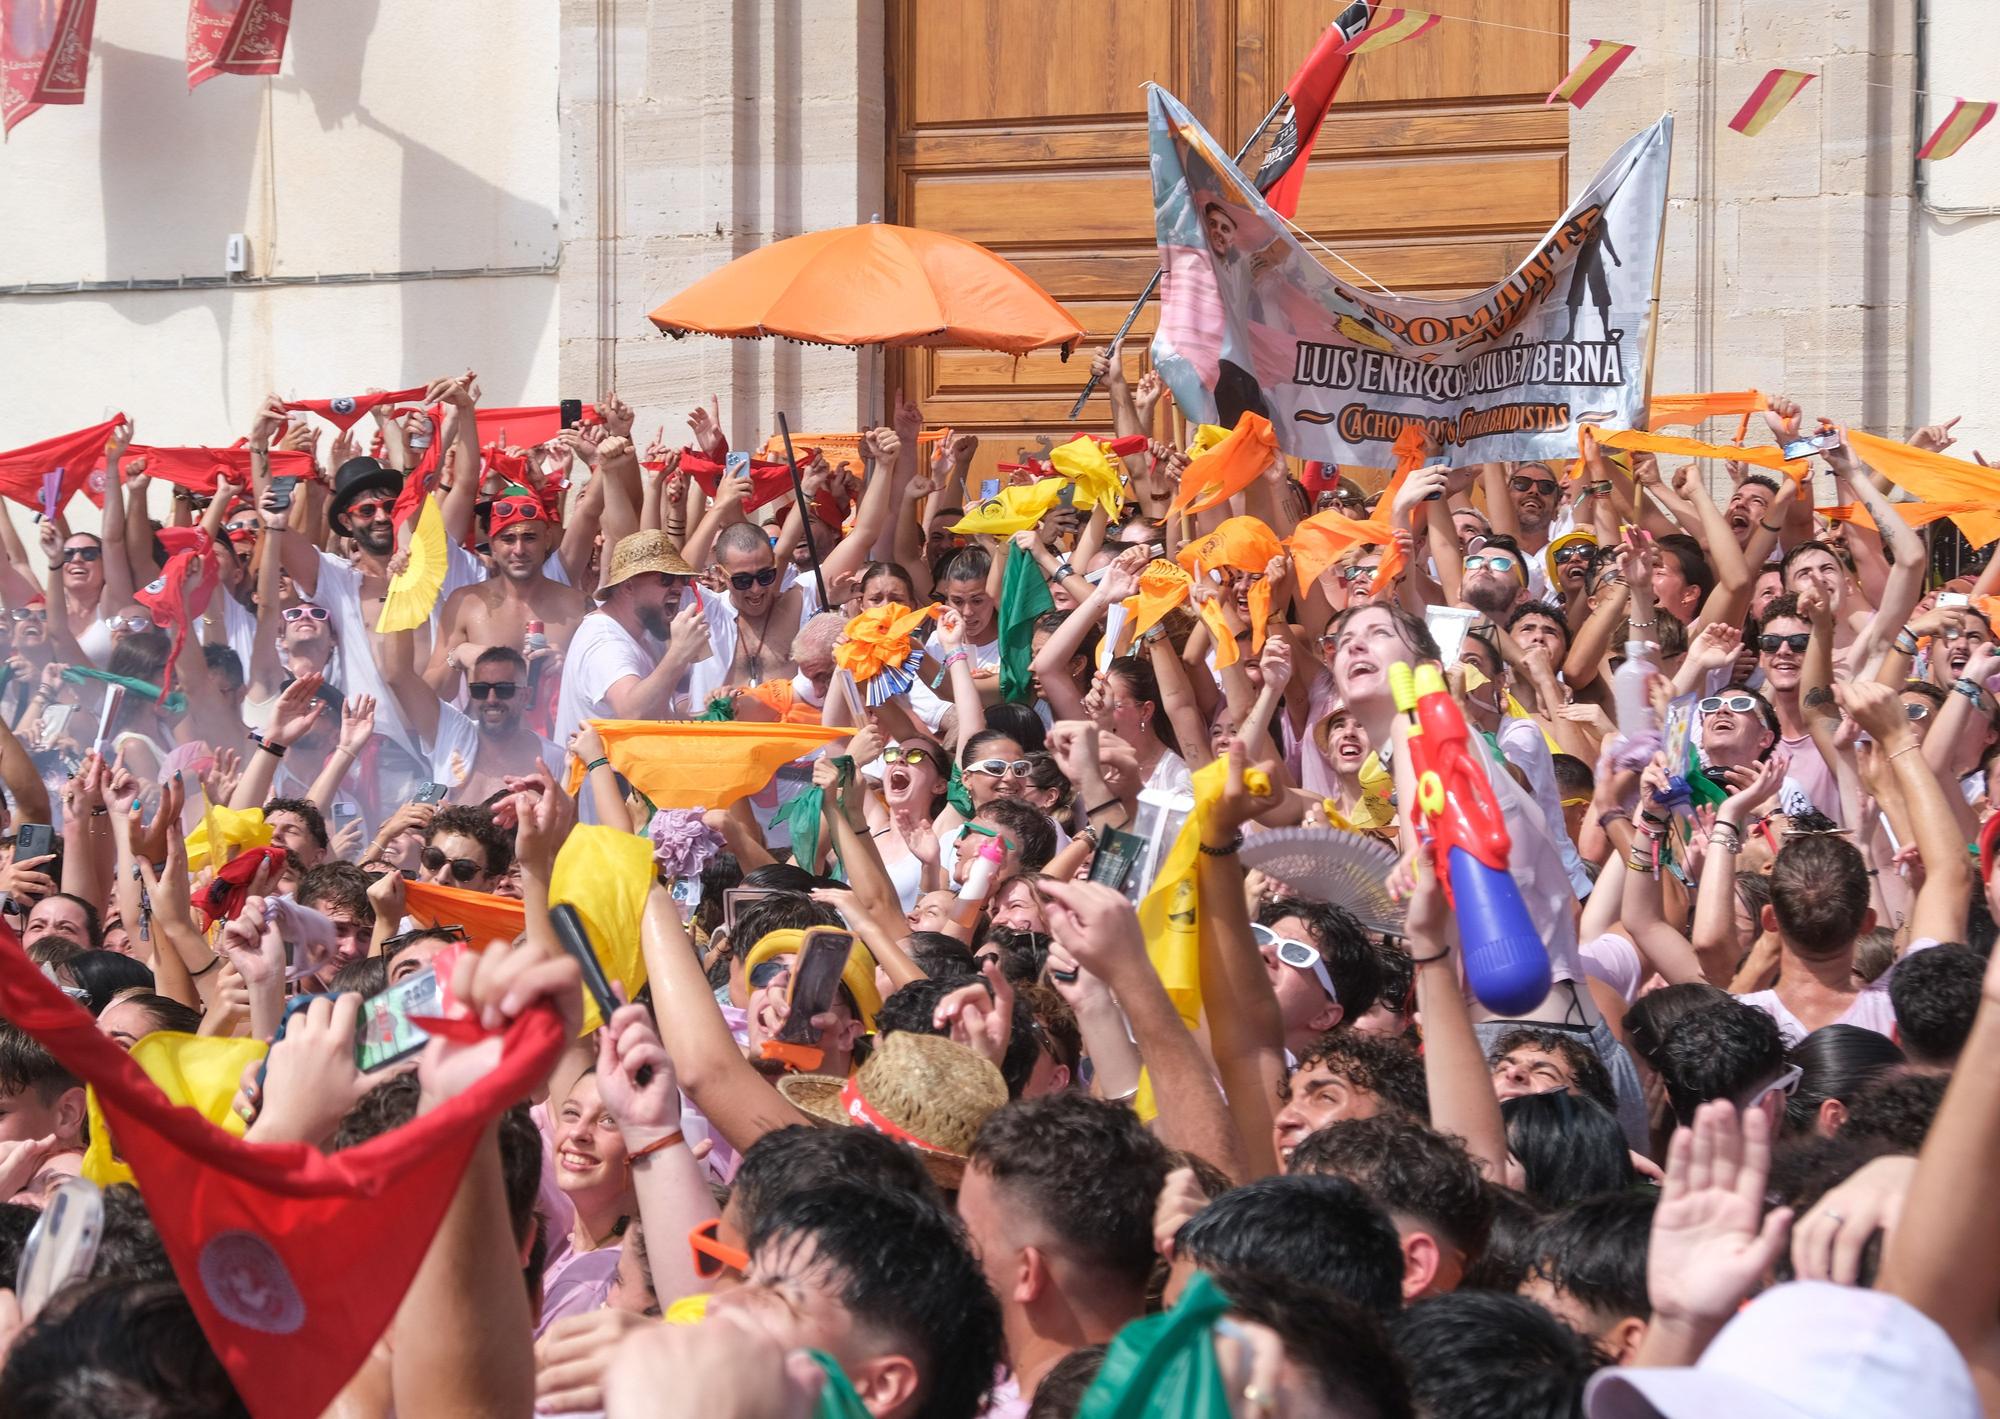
x: 768, y: 481
x: 169, y: 597
x: 235, y: 37
x: 1775, y: 90
x: 1959, y: 126
x: 1282, y: 174
x: 44, y: 54
x: 263, y: 1236
x: 76, y: 455
x: 1592, y: 72
x: 198, y: 469
x: 347, y: 410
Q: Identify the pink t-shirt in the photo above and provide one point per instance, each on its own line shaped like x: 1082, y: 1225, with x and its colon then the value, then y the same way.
x: 1871, y: 1009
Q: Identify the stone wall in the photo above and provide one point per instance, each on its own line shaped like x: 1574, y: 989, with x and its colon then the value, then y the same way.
x: 694, y: 131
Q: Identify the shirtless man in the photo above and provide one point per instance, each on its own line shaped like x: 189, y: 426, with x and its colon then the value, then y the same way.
x: 485, y: 614
x: 754, y: 623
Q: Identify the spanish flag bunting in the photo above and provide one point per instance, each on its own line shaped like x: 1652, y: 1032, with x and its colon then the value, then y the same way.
x: 692, y: 764
x: 1391, y: 27
x: 1229, y: 466
x: 1762, y: 455
x: 200, y: 1072
x: 1937, y: 479
x: 605, y: 874
x: 1959, y: 127
x: 1013, y: 510
x: 1777, y: 89
x: 1592, y: 72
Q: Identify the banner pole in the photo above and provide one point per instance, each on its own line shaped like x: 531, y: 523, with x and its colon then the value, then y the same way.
x: 805, y: 513
x: 1132, y: 315
x: 1653, y: 308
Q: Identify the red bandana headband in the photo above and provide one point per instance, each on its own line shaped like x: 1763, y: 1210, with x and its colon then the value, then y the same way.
x: 868, y: 1116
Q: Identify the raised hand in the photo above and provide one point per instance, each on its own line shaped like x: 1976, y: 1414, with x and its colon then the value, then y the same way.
x: 706, y: 425
x: 494, y: 987
x: 1095, y: 925
x: 312, y: 1080
x: 980, y: 1016
x: 1784, y: 418
x: 1936, y: 437
x: 296, y: 711
x: 357, y: 723
x: 635, y: 1077
x: 616, y: 413
x: 1712, y: 1241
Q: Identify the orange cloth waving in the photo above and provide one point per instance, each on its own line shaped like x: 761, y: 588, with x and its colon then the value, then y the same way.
x: 1989, y: 607
x: 1229, y: 467
x: 1323, y: 539
x: 485, y: 917
x: 1763, y: 455
x: 1937, y: 479
x: 1162, y: 586
x: 1915, y: 514
x: 1687, y: 410
x: 702, y: 763
x: 1242, y: 544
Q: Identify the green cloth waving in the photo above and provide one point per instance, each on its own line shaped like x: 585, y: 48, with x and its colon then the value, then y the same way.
x: 1165, y: 1364
x: 1024, y: 595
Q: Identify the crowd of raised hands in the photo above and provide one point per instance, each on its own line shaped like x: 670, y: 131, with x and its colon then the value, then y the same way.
x: 1048, y: 1001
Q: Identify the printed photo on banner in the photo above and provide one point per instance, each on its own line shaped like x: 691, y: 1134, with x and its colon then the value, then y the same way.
x: 1250, y: 320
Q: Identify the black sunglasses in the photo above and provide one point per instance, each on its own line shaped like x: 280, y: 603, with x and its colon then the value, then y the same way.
x: 403, y: 938
x: 462, y: 868
x: 743, y: 581
x: 1545, y: 486
x: 82, y: 554
x: 1795, y: 643
x: 501, y: 689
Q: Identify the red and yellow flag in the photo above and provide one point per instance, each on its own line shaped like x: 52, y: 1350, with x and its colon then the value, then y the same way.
x: 1768, y: 100
x: 1391, y: 27
x: 1959, y: 126
x: 1592, y: 72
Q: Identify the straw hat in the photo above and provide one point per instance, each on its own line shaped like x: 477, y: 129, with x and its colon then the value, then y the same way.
x: 648, y: 551
x: 923, y: 1090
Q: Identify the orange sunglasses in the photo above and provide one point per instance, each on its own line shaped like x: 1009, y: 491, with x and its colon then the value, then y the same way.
x: 711, y: 1256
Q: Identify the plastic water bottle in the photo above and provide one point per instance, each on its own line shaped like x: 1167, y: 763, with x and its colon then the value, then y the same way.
x: 978, y: 882
x: 1628, y: 689
x: 537, y: 638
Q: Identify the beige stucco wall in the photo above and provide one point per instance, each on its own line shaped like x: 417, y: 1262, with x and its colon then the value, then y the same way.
x: 398, y: 137
x: 694, y: 131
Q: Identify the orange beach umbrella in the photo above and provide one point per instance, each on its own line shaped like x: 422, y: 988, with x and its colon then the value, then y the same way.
x: 874, y: 284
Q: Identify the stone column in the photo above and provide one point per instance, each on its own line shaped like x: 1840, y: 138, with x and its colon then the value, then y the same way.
x: 1788, y: 255
x: 695, y: 131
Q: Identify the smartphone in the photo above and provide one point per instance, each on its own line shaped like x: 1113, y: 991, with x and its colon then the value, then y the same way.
x: 280, y: 497
x: 815, y: 977
x: 1807, y: 447
x: 572, y: 412
x: 343, y: 814
x: 383, y: 1034
x: 1117, y: 854
x: 55, y: 719
x: 734, y: 899
x: 1953, y: 598
x: 33, y: 840
x: 430, y: 792
x: 62, y: 1246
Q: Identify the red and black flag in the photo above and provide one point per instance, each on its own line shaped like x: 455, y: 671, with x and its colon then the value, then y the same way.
x: 1307, y: 98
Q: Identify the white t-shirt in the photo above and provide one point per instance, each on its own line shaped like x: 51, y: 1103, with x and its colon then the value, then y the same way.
x: 339, y: 591
x: 601, y: 653
x: 95, y: 642
x: 1522, y: 743
x: 457, y: 744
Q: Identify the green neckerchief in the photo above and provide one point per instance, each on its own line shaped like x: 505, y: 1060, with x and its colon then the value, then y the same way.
x: 1164, y: 1364
x: 721, y: 708
x: 957, y: 794
x: 802, y: 814
x: 837, y: 1399
x: 176, y: 703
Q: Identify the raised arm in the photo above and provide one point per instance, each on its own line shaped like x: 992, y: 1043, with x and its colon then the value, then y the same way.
x: 1905, y: 585
x: 1715, y: 903
x: 1939, y: 910
x: 1051, y: 664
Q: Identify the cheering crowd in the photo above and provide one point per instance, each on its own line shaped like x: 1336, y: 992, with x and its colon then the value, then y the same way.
x: 1032, y: 990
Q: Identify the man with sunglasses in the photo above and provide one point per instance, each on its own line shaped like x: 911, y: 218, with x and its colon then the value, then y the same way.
x: 1321, y: 966
x: 475, y: 750
x: 464, y: 847
x: 754, y: 622
x: 1534, y: 492
x: 522, y: 535
x: 1496, y: 578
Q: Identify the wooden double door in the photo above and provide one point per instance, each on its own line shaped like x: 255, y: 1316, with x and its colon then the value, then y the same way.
x: 1021, y: 124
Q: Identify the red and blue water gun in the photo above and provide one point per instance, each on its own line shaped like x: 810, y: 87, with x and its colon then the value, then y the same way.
x: 1458, y: 817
